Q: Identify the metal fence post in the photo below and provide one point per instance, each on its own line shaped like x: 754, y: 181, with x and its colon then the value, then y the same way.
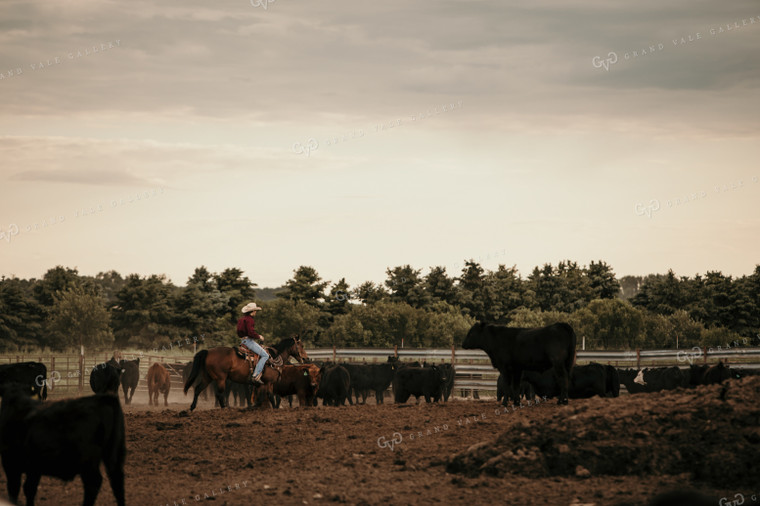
x: 81, y: 369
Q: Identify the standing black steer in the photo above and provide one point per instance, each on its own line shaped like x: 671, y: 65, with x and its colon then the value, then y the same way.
x: 514, y: 350
x: 449, y: 372
x: 381, y: 376
x: 105, y: 377
x: 129, y: 378
x: 419, y: 381
x: 370, y: 377
x: 61, y: 439
x: 28, y: 374
x: 334, y: 388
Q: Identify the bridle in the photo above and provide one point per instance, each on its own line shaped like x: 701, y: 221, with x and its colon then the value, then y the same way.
x: 296, y: 351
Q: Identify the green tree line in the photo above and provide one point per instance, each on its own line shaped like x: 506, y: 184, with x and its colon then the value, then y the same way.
x: 65, y: 310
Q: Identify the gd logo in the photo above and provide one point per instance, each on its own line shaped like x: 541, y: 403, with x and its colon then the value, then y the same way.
x: 382, y: 442
x: 311, y: 145
x: 55, y: 377
x: 690, y: 357
x: 262, y: 3
x: 611, y: 59
x: 12, y: 230
x: 640, y: 210
x: 738, y: 500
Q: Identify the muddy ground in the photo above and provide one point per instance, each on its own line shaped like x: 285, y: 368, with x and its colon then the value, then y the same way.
x: 598, y: 451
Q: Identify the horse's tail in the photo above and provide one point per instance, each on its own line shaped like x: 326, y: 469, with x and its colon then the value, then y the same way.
x: 199, y: 362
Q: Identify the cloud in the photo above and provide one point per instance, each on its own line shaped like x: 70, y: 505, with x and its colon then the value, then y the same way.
x: 79, y: 176
x: 208, y: 100
x: 304, y: 63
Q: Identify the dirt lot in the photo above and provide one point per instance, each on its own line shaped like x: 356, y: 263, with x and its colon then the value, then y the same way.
x: 597, y: 451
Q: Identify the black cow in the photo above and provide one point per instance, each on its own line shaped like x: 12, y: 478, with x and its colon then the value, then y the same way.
x: 628, y: 378
x: 613, y: 381
x: 448, y: 386
x: 241, y: 394
x: 335, y: 386
x: 28, y: 374
x: 653, y: 379
x: 448, y: 371
x: 696, y: 374
x: 381, y: 376
x: 711, y: 374
x: 585, y: 381
x: 419, y: 381
x: 105, y: 377
x: 397, y: 364
x: 369, y: 377
x: 719, y: 373
x: 129, y: 378
x: 514, y: 350
x: 62, y: 439
x: 360, y: 380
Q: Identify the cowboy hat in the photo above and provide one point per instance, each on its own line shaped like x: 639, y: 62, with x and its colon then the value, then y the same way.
x: 251, y: 307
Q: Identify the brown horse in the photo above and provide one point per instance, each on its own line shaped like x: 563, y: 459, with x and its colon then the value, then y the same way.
x: 158, y: 381
x: 217, y: 365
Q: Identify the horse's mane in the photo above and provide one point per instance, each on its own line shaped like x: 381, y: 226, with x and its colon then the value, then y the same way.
x: 284, y: 345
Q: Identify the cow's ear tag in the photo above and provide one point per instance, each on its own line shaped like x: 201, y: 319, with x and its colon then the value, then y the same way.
x: 305, y: 373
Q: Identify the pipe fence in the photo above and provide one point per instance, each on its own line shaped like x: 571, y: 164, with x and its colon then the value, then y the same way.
x: 68, y: 374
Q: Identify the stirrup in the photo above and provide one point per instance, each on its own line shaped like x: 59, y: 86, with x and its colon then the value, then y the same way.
x: 257, y: 379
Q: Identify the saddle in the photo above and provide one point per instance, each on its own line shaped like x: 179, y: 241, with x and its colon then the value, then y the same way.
x: 275, y: 361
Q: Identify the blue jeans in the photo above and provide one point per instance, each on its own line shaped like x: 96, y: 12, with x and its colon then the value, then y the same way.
x: 258, y: 350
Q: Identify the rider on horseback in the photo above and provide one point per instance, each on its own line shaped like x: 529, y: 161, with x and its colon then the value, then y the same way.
x: 245, y: 330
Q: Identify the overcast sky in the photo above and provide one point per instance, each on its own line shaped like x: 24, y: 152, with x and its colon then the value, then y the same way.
x: 354, y: 136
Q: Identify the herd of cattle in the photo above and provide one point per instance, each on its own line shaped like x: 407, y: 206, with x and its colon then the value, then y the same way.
x: 605, y: 380
x: 72, y: 437
x: 336, y: 383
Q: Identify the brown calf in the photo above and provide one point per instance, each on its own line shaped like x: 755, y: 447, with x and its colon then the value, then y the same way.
x: 158, y: 381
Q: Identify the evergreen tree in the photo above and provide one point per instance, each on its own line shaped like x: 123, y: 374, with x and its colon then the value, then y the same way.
x: 306, y: 285
x: 21, y: 317
x: 238, y: 289
x: 439, y: 287
x: 78, y: 318
x: 370, y: 293
x: 144, y: 314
